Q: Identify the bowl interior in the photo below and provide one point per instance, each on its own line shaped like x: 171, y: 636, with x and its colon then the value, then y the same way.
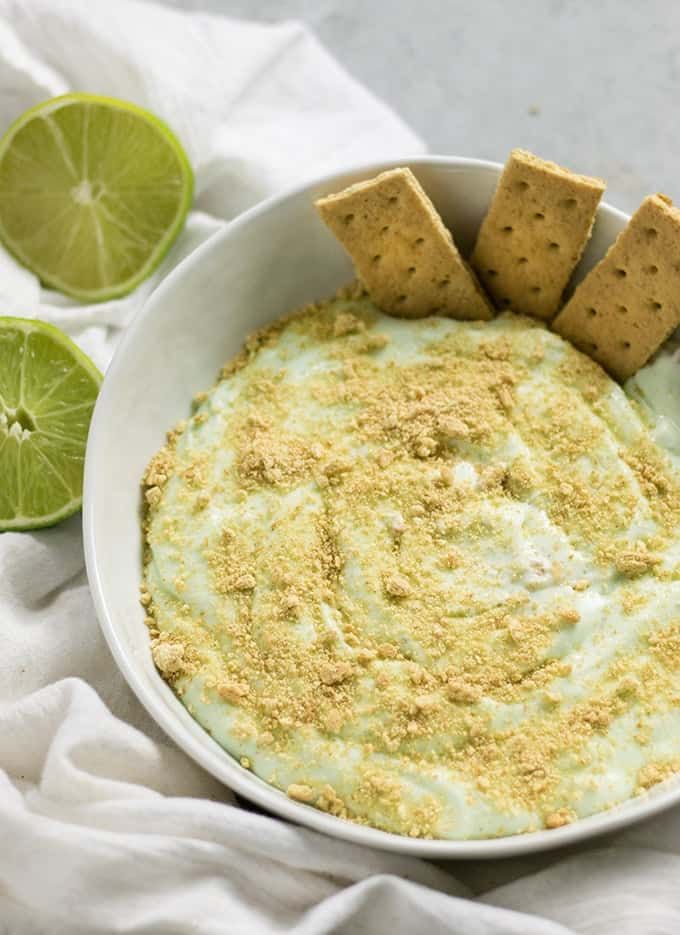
x: 274, y: 258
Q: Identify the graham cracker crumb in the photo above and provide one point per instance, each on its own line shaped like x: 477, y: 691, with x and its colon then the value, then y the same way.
x: 633, y: 562
x: 335, y: 672
x: 299, y: 792
x: 169, y: 658
x: 245, y: 582
x: 153, y: 496
x: 397, y: 586
x: 560, y: 818
x: 346, y: 323
x: 362, y: 569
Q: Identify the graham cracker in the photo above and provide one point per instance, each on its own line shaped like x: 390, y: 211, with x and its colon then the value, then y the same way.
x: 629, y: 303
x: 534, y: 233
x: 401, y: 249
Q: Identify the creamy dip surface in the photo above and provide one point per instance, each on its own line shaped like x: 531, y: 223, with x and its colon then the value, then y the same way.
x: 425, y: 575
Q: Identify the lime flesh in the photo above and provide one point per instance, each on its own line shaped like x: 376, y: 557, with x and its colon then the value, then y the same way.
x: 48, y: 388
x: 93, y: 191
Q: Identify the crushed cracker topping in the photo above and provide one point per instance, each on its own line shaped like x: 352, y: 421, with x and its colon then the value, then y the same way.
x: 353, y: 535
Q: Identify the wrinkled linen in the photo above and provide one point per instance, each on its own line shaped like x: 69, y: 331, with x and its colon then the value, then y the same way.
x: 106, y: 826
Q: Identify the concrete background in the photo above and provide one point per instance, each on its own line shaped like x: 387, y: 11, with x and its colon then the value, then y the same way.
x: 594, y: 84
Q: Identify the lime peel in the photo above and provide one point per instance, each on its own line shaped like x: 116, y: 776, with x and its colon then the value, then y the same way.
x: 93, y: 192
x: 48, y: 388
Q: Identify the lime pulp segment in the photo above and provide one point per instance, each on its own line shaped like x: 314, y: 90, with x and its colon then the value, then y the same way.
x: 48, y: 388
x: 92, y: 193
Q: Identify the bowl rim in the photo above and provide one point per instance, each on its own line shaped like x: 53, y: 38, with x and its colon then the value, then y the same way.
x: 212, y: 757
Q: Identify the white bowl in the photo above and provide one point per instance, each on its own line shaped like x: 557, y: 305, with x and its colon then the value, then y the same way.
x: 274, y: 258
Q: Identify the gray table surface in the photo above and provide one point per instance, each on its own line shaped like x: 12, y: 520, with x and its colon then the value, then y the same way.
x: 593, y: 84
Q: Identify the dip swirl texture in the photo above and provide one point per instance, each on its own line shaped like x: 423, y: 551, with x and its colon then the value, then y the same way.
x: 423, y: 575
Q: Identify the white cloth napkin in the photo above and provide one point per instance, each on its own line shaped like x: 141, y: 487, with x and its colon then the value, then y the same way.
x: 104, y: 825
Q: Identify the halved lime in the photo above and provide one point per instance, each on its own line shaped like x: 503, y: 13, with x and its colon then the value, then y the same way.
x: 47, y: 391
x: 93, y: 191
